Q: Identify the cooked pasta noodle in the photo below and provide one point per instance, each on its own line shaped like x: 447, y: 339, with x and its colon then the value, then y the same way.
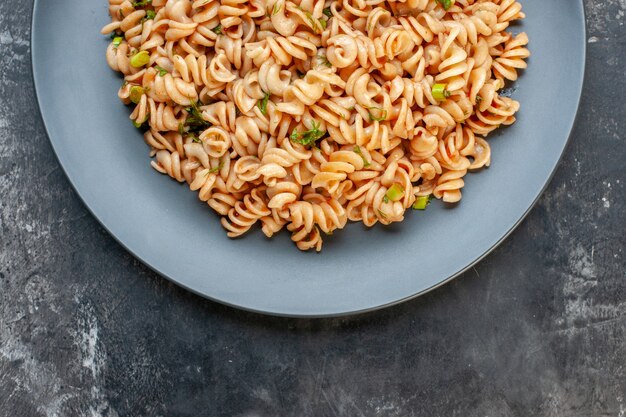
x: 304, y: 114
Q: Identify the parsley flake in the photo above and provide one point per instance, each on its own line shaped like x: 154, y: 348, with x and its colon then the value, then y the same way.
x: 162, y: 71
x: 308, y: 137
x: 263, y: 103
x: 383, y: 114
x: 357, y: 150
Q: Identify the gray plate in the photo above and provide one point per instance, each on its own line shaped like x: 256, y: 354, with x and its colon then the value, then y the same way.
x: 164, y: 224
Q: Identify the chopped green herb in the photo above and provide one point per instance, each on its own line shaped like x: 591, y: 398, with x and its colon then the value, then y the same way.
x: 357, y: 150
x: 385, y: 199
x: 217, y: 29
x: 194, y: 138
x: 446, y: 4
x: 383, y: 114
x: 395, y: 192
x: 324, y: 61
x: 328, y: 12
x: 140, y: 59
x: 135, y: 94
x: 478, y: 99
x: 195, y: 122
x: 181, y: 128
x: 142, y: 3
x: 323, y: 23
x: 439, y: 92
x: 313, y: 21
x: 263, y: 103
x: 150, y: 15
x: 161, y: 71
x: 277, y: 8
x: 117, y: 41
x: 421, y: 202
x: 216, y: 169
x: 308, y: 137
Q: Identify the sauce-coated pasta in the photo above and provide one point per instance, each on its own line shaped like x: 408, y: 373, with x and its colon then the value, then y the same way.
x: 304, y: 114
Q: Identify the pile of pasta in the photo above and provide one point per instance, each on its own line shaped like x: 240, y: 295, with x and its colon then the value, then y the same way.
x: 304, y: 114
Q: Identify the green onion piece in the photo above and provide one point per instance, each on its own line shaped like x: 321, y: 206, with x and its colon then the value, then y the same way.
x: 383, y: 114
x: 439, y: 92
x: 140, y: 59
x: 395, y: 192
x: 160, y: 70
x: 327, y: 12
x: 323, y: 23
x: 181, y: 128
x: 421, y: 202
x: 150, y: 15
x: 385, y: 199
x: 446, y: 4
x: 135, y: 94
x: 142, y: 3
x: 217, y: 29
x: 263, y: 103
x: 117, y: 41
x: 139, y: 124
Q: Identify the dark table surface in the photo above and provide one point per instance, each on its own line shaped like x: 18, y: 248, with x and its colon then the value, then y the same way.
x: 538, y: 328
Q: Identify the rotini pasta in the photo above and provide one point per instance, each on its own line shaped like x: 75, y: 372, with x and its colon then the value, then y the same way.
x: 304, y: 114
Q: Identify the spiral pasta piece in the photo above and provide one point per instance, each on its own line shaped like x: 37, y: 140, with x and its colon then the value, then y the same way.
x: 512, y: 58
x: 306, y: 91
x: 449, y: 186
x: 244, y: 214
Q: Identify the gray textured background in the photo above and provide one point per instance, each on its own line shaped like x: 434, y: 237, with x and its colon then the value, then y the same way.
x: 536, y: 329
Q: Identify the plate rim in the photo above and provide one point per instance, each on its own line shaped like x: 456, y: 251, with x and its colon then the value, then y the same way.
x: 513, y: 227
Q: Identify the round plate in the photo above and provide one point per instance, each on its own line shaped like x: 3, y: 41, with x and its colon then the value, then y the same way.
x: 165, y: 225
